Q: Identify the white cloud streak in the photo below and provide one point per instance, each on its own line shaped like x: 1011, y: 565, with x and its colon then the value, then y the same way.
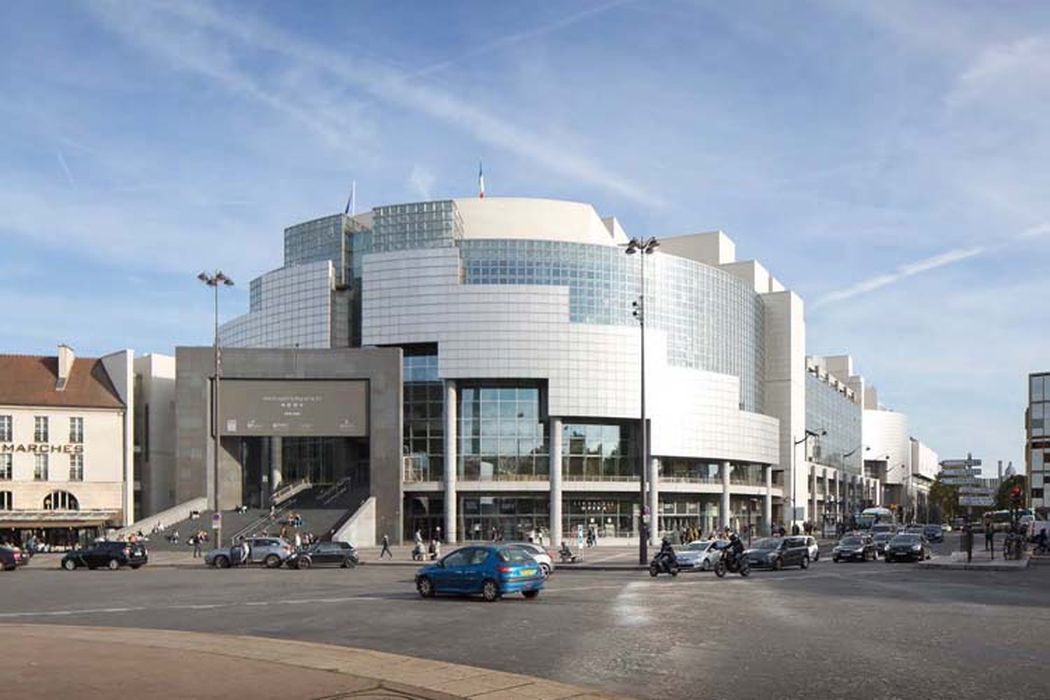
x: 184, y: 49
x: 903, y: 272
x: 65, y: 168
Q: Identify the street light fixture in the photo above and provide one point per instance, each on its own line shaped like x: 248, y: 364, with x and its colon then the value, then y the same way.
x: 794, y: 488
x: 643, y: 247
x: 216, y: 280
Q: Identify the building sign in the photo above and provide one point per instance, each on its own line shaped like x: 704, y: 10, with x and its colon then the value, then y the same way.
x: 41, y: 448
x: 297, y: 407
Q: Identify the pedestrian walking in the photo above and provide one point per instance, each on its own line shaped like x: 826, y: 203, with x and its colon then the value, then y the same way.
x: 386, y: 548
x: 196, y: 545
x: 298, y: 541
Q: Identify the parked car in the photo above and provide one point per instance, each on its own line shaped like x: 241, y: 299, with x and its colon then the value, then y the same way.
x: 340, y: 554
x: 537, y: 552
x: 880, y: 541
x: 933, y: 533
x: 111, y: 555
x: 777, y: 552
x: 8, y: 561
x: 700, y: 555
x: 268, y: 551
x: 854, y: 548
x: 22, y: 556
x: 491, y: 570
x: 907, y: 546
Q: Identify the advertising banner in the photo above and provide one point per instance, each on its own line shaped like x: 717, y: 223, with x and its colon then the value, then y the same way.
x: 296, y: 407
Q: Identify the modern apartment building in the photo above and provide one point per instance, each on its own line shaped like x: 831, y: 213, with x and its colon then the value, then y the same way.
x: 1037, y: 448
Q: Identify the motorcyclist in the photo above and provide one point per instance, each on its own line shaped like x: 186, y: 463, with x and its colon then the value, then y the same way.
x: 735, y: 548
x: 667, y: 552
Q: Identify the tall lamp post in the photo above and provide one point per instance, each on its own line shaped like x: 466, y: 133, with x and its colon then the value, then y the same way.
x: 794, y: 487
x: 215, y: 280
x: 643, y: 247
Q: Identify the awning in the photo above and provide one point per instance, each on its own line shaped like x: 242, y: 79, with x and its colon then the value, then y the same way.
x: 30, y: 519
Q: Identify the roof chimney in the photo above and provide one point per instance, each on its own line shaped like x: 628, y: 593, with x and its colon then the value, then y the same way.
x: 65, y: 366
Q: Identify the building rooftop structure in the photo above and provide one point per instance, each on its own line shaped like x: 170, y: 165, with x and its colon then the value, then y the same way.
x: 31, y: 380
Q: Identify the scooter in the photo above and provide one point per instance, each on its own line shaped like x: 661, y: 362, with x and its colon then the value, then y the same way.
x: 734, y: 565
x: 663, y: 564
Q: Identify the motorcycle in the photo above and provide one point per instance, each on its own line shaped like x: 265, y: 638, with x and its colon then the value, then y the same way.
x: 663, y: 564
x: 733, y: 565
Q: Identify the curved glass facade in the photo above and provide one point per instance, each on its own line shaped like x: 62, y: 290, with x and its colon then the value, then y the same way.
x: 837, y: 420
x: 713, y: 320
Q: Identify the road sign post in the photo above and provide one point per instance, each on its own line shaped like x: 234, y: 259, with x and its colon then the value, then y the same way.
x: 216, y: 526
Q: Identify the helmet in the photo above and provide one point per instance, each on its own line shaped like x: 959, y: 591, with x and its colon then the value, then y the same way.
x: 665, y: 540
x: 733, y: 537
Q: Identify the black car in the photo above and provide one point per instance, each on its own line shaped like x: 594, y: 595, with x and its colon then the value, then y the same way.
x: 777, y: 552
x: 880, y: 540
x: 111, y: 555
x: 933, y: 533
x: 854, y: 548
x: 907, y: 547
x: 8, y: 562
x: 324, y: 554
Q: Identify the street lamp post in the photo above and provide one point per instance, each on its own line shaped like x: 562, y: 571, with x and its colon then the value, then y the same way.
x: 794, y: 488
x: 216, y: 280
x: 643, y: 247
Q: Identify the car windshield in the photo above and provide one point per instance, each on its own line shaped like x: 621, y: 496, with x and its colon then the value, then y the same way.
x: 905, y: 539
x: 699, y: 546
x: 767, y: 543
x: 883, y: 537
x: 851, y: 541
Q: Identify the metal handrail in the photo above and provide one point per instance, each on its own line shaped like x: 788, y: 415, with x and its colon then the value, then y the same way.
x: 288, y: 490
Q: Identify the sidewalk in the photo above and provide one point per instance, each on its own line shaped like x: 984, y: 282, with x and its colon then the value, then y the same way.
x: 163, y: 664
x: 600, y: 558
x: 980, y: 562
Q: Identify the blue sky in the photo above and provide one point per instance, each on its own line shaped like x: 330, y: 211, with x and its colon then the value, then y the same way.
x: 885, y: 160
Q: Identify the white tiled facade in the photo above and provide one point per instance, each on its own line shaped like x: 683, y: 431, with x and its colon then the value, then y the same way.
x: 538, y: 294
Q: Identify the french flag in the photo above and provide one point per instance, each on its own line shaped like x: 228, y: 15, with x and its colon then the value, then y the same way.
x: 481, y: 182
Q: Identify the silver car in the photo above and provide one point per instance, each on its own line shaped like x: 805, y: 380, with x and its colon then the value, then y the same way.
x: 537, y: 552
x: 271, y: 552
x: 699, y: 555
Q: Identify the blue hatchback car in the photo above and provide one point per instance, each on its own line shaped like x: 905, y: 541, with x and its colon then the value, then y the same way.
x: 491, y: 570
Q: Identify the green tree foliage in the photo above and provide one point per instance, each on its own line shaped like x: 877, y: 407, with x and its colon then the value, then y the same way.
x: 944, y: 499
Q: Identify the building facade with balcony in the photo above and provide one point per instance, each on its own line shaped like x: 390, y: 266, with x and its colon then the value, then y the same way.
x: 521, y: 368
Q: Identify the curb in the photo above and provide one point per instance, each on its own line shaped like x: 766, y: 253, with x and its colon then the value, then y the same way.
x: 409, y: 676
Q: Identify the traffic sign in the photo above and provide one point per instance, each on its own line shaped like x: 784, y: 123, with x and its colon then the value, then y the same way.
x: 968, y: 462
x: 959, y: 481
x: 961, y: 472
x: 976, y: 490
x: 216, y: 520
x: 976, y: 501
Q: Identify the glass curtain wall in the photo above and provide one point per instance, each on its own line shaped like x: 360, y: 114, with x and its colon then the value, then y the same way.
x: 610, y: 515
x: 424, y: 415
x: 516, y: 518
x: 502, y: 432
x: 598, y: 452
x: 837, y: 420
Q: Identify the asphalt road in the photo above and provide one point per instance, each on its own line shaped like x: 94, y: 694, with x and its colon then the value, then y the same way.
x: 871, y: 630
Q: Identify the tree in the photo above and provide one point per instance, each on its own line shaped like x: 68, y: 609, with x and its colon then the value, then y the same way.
x: 1002, y: 497
x: 944, y: 498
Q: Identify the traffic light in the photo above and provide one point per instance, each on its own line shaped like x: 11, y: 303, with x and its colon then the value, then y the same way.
x: 1015, y: 495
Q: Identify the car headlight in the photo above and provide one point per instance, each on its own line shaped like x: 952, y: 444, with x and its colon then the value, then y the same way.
x: 916, y: 548
x: 771, y: 556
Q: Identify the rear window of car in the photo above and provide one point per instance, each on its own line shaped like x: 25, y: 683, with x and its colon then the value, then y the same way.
x: 514, y: 555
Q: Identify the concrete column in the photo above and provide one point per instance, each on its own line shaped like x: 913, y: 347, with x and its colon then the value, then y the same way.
x: 654, y: 499
x: 723, y: 511
x: 451, y: 466
x: 767, y: 509
x: 276, y: 462
x: 555, y: 481
x: 878, y: 492
x: 812, y: 495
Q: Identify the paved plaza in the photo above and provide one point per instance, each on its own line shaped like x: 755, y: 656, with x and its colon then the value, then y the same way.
x: 871, y: 630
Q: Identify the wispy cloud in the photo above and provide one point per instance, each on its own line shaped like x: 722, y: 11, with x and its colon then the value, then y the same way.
x: 903, y: 272
x: 421, y: 181
x: 187, y: 49
x: 518, y: 37
x: 65, y: 168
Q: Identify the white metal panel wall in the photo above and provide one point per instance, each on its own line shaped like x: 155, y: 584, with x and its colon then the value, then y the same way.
x: 523, y: 331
